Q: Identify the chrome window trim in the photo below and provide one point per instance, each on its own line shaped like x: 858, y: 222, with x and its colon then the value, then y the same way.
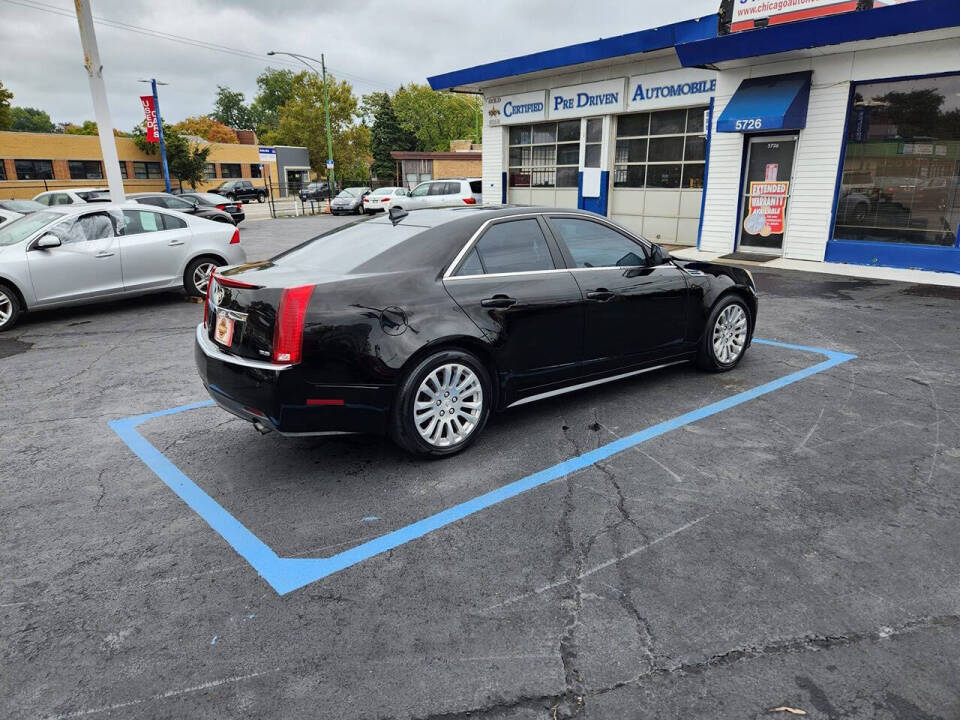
x: 465, y: 250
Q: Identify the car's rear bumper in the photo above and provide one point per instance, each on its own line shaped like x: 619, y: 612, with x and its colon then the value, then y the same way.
x: 282, y: 399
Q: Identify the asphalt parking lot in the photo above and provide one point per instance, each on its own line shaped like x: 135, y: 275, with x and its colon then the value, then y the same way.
x: 798, y: 548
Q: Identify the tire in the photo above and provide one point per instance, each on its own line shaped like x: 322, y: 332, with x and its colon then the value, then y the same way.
x: 194, y: 282
x: 261, y: 197
x: 10, y: 307
x: 439, y: 378
x: 231, y: 197
x: 725, y: 335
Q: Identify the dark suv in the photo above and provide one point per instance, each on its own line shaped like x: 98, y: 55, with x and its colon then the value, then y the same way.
x: 240, y: 190
x: 315, y: 191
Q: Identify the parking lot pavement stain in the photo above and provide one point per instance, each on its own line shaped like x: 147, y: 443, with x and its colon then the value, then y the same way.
x: 12, y: 346
x: 286, y: 574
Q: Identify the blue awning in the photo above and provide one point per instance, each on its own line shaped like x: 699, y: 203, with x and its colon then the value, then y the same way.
x: 776, y: 102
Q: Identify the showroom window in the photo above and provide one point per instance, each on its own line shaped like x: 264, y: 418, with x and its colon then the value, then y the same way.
x: 34, y: 169
x: 665, y: 149
x: 230, y: 170
x: 901, y: 167
x: 85, y: 169
x: 209, y: 171
x: 147, y: 170
x: 545, y: 155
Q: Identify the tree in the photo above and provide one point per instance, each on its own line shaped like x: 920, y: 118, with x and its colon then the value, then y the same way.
x: 207, y: 128
x: 30, y: 120
x: 275, y: 90
x: 230, y: 109
x: 386, y: 134
x: 185, y: 159
x: 6, y: 118
x: 435, y: 118
x: 301, y: 122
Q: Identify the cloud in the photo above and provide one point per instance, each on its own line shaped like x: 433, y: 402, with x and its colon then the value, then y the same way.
x: 374, y: 44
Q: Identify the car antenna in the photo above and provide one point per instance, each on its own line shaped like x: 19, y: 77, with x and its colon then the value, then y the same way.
x: 397, y: 214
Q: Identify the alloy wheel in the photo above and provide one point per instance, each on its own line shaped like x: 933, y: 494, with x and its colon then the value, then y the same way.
x: 6, y: 308
x: 448, y: 405
x: 730, y: 334
x: 201, y: 276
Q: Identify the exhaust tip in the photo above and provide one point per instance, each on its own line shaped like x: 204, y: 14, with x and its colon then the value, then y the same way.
x: 261, y: 428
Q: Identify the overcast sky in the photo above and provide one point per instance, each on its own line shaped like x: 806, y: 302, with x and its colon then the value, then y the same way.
x: 375, y: 45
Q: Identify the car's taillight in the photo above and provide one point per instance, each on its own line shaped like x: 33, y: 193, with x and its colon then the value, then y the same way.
x: 221, y: 207
x: 206, y: 298
x: 288, y: 330
x: 385, y: 200
x: 366, y: 200
x: 235, y: 240
x: 470, y: 201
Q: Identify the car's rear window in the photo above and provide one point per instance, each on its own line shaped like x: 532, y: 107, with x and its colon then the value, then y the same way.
x: 343, y: 250
x: 476, y: 187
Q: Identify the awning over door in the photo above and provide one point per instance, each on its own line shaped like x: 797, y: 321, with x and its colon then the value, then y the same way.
x: 775, y: 102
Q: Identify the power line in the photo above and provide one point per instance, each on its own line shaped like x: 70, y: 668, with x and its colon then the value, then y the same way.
x: 158, y: 34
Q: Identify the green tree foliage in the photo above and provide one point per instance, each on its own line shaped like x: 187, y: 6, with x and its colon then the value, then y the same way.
x: 184, y: 158
x: 435, y: 118
x: 6, y: 117
x: 301, y: 122
x: 386, y: 134
x: 275, y: 88
x: 229, y: 108
x: 30, y: 120
x: 89, y: 127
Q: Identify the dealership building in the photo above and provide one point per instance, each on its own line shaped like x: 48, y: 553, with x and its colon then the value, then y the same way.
x: 816, y: 130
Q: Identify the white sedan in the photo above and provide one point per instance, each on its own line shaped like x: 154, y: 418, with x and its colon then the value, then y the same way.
x: 383, y: 198
x: 87, y: 253
x: 73, y: 196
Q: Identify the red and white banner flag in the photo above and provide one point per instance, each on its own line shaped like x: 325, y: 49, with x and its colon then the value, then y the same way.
x: 150, y: 114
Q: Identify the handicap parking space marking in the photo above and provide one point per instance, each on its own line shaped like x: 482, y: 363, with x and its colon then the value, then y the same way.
x: 287, y: 574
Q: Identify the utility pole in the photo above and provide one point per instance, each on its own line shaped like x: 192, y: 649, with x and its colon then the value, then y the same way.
x: 331, y: 183
x: 98, y: 92
x: 163, y: 147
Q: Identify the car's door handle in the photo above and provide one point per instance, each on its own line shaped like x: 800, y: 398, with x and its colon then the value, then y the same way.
x: 104, y: 254
x: 498, y: 301
x: 174, y: 243
x: 601, y: 295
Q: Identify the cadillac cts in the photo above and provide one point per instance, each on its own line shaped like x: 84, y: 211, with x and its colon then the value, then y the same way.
x: 421, y: 324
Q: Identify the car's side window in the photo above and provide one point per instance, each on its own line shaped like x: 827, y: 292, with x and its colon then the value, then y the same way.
x: 172, y: 223
x: 421, y: 190
x: 471, y: 265
x: 453, y: 188
x: 438, y: 188
x: 141, y: 221
x: 44, y: 200
x: 93, y: 226
x: 593, y: 244
x: 61, y: 199
x: 514, y: 246
x: 155, y: 201
x: 177, y: 204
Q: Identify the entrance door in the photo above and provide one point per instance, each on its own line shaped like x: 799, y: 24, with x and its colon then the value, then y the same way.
x: 766, y: 191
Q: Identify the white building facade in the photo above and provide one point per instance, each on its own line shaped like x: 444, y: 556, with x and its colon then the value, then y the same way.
x: 835, y: 138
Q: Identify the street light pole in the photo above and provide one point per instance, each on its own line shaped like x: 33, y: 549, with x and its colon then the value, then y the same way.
x: 326, y: 107
x: 163, y: 147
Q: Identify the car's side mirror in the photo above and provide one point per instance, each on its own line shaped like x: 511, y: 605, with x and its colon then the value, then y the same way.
x: 48, y: 241
x: 658, y: 256
x: 397, y: 214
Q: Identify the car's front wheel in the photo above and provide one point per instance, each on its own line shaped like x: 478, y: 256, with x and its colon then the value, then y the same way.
x: 442, y: 405
x: 9, y: 308
x: 725, y: 335
x: 197, y: 275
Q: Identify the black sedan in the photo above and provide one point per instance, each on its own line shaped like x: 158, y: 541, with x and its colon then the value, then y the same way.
x: 421, y: 324
x: 182, y: 204
x: 233, y: 208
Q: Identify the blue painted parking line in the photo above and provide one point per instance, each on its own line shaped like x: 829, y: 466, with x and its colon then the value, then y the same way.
x: 288, y: 574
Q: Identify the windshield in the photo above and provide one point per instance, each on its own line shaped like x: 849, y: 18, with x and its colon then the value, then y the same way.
x: 348, y: 193
x: 23, y: 206
x: 23, y: 228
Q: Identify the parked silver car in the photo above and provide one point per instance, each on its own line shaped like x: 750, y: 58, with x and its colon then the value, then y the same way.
x: 85, y: 253
x: 349, y: 200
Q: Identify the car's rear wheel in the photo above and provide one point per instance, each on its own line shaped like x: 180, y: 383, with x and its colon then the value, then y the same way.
x: 725, y: 335
x: 261, y: 197
x: 442, y: 404
x: 9, y: 308
x: 197, y: 275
